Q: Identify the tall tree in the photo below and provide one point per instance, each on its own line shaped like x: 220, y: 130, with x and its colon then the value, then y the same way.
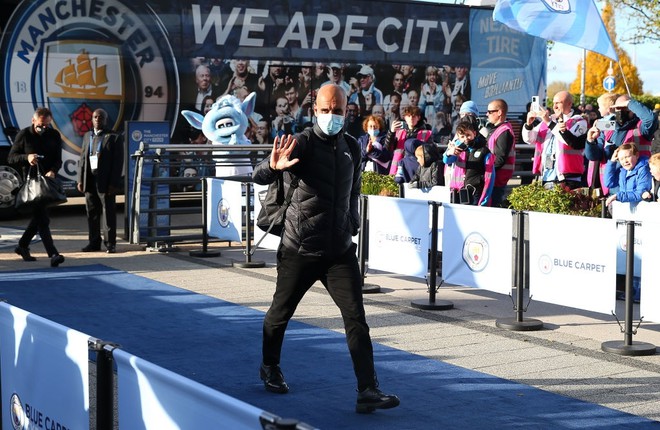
x: 598, y: 66
x: 646, y: 15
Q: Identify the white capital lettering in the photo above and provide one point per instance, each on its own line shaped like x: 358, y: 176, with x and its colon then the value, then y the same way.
x: 327, y: 35
x: 249, y: 26
x: 449, y: 37
x: 426, y: 26
x: 295, y: 31
x: 350, y: 32
x: 406, y: 41
x: 380, y: 31
x: 214, y: 20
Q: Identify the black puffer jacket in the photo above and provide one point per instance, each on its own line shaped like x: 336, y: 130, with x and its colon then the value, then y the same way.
x: 431, y: 173
x: 323, y: 215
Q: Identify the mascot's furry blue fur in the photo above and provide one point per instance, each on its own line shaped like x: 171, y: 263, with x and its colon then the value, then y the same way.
x: 225, y: 124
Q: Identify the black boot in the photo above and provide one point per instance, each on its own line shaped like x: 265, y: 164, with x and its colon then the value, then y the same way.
x: 372, y: 398
x: 56, y: 260
x: 273, y: 379
x: 24, y: 253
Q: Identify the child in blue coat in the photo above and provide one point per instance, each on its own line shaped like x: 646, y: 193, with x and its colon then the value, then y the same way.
x: 628, y: 171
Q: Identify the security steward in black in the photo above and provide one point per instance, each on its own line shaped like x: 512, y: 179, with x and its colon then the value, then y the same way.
x: 100, y: 179
x: 317, y: 242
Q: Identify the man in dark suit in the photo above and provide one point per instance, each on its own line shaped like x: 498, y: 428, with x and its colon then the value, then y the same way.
x: 100, y: 178
x: 38, y: 145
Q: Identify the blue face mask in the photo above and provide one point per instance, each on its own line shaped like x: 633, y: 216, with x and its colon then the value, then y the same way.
x: 373, y: 133
x: 330, y: 124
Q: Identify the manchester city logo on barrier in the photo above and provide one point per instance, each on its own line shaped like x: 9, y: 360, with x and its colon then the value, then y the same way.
x: 18, y: 419
x: 223, y: 213
x: 545, y: 264
x: 74, y: 57
x: 476, y: 252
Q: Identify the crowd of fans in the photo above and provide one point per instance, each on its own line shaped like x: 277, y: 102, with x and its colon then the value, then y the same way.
x: 286, y: 93
x: 394, y: 110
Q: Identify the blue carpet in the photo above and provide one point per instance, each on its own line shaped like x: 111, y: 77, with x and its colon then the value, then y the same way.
x: 218, y: 344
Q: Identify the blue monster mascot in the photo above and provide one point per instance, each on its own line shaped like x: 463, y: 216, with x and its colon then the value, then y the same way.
x: 225, y: 124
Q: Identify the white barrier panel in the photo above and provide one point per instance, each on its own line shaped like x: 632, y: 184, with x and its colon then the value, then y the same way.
x: 223, y: 209
x: 650, y: 286
x: 398, y: 235
x: 476, y: 247
x: 631, y: 212
x: 572, y: 261
x: 45, y: 382
x: 648, y: 213
x: 154, y: 398
x: 271, y: 241
x: 436, y: 194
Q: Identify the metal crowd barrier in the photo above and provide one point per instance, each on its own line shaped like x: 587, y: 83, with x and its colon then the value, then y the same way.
x: 157, y: 180
x: 170, y: 195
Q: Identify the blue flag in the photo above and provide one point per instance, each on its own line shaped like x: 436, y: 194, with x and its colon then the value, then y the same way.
x: 573, y: 22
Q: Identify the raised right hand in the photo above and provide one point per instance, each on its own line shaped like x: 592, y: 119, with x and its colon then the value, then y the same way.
x: 282, y: 148
x: 396, y: 125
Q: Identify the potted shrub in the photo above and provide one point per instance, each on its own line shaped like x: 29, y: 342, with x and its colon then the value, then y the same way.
x: 559, y: 200
x: 375, y: 184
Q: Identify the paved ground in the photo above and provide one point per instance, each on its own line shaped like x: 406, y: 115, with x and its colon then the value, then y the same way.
x: 564, y: 357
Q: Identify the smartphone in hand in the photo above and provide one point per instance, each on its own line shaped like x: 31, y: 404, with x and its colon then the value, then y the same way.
x: 605, y: 124
x: 536, y: 106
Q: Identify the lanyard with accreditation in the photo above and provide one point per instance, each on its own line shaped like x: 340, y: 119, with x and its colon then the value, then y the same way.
x: 93, y: 156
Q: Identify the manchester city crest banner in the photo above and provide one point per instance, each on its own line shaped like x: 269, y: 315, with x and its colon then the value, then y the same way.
x: 475, y: 252
x: 223, y: 209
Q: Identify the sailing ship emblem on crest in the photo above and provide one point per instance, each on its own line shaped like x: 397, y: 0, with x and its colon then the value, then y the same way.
x: 85, y: 76
x: 81, y: 76
x: 561, y: 6
x: 83, y: 70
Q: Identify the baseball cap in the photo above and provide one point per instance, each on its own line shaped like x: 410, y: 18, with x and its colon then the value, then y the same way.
x: 366, y: 71
x: 334, y: 66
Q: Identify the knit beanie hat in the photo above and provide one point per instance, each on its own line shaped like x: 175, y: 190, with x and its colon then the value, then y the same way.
x: 469, y: 107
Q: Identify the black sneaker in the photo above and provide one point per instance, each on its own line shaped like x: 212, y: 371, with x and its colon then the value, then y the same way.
x: 111, y: 249
x: 24, y: 253
x: 372, y: 398
x: 56, y: 260
x: 273, y: 379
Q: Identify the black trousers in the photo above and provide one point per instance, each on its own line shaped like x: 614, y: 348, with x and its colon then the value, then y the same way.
x: 40, y: 223
x: 341, y: 277
x: 101, y: 217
